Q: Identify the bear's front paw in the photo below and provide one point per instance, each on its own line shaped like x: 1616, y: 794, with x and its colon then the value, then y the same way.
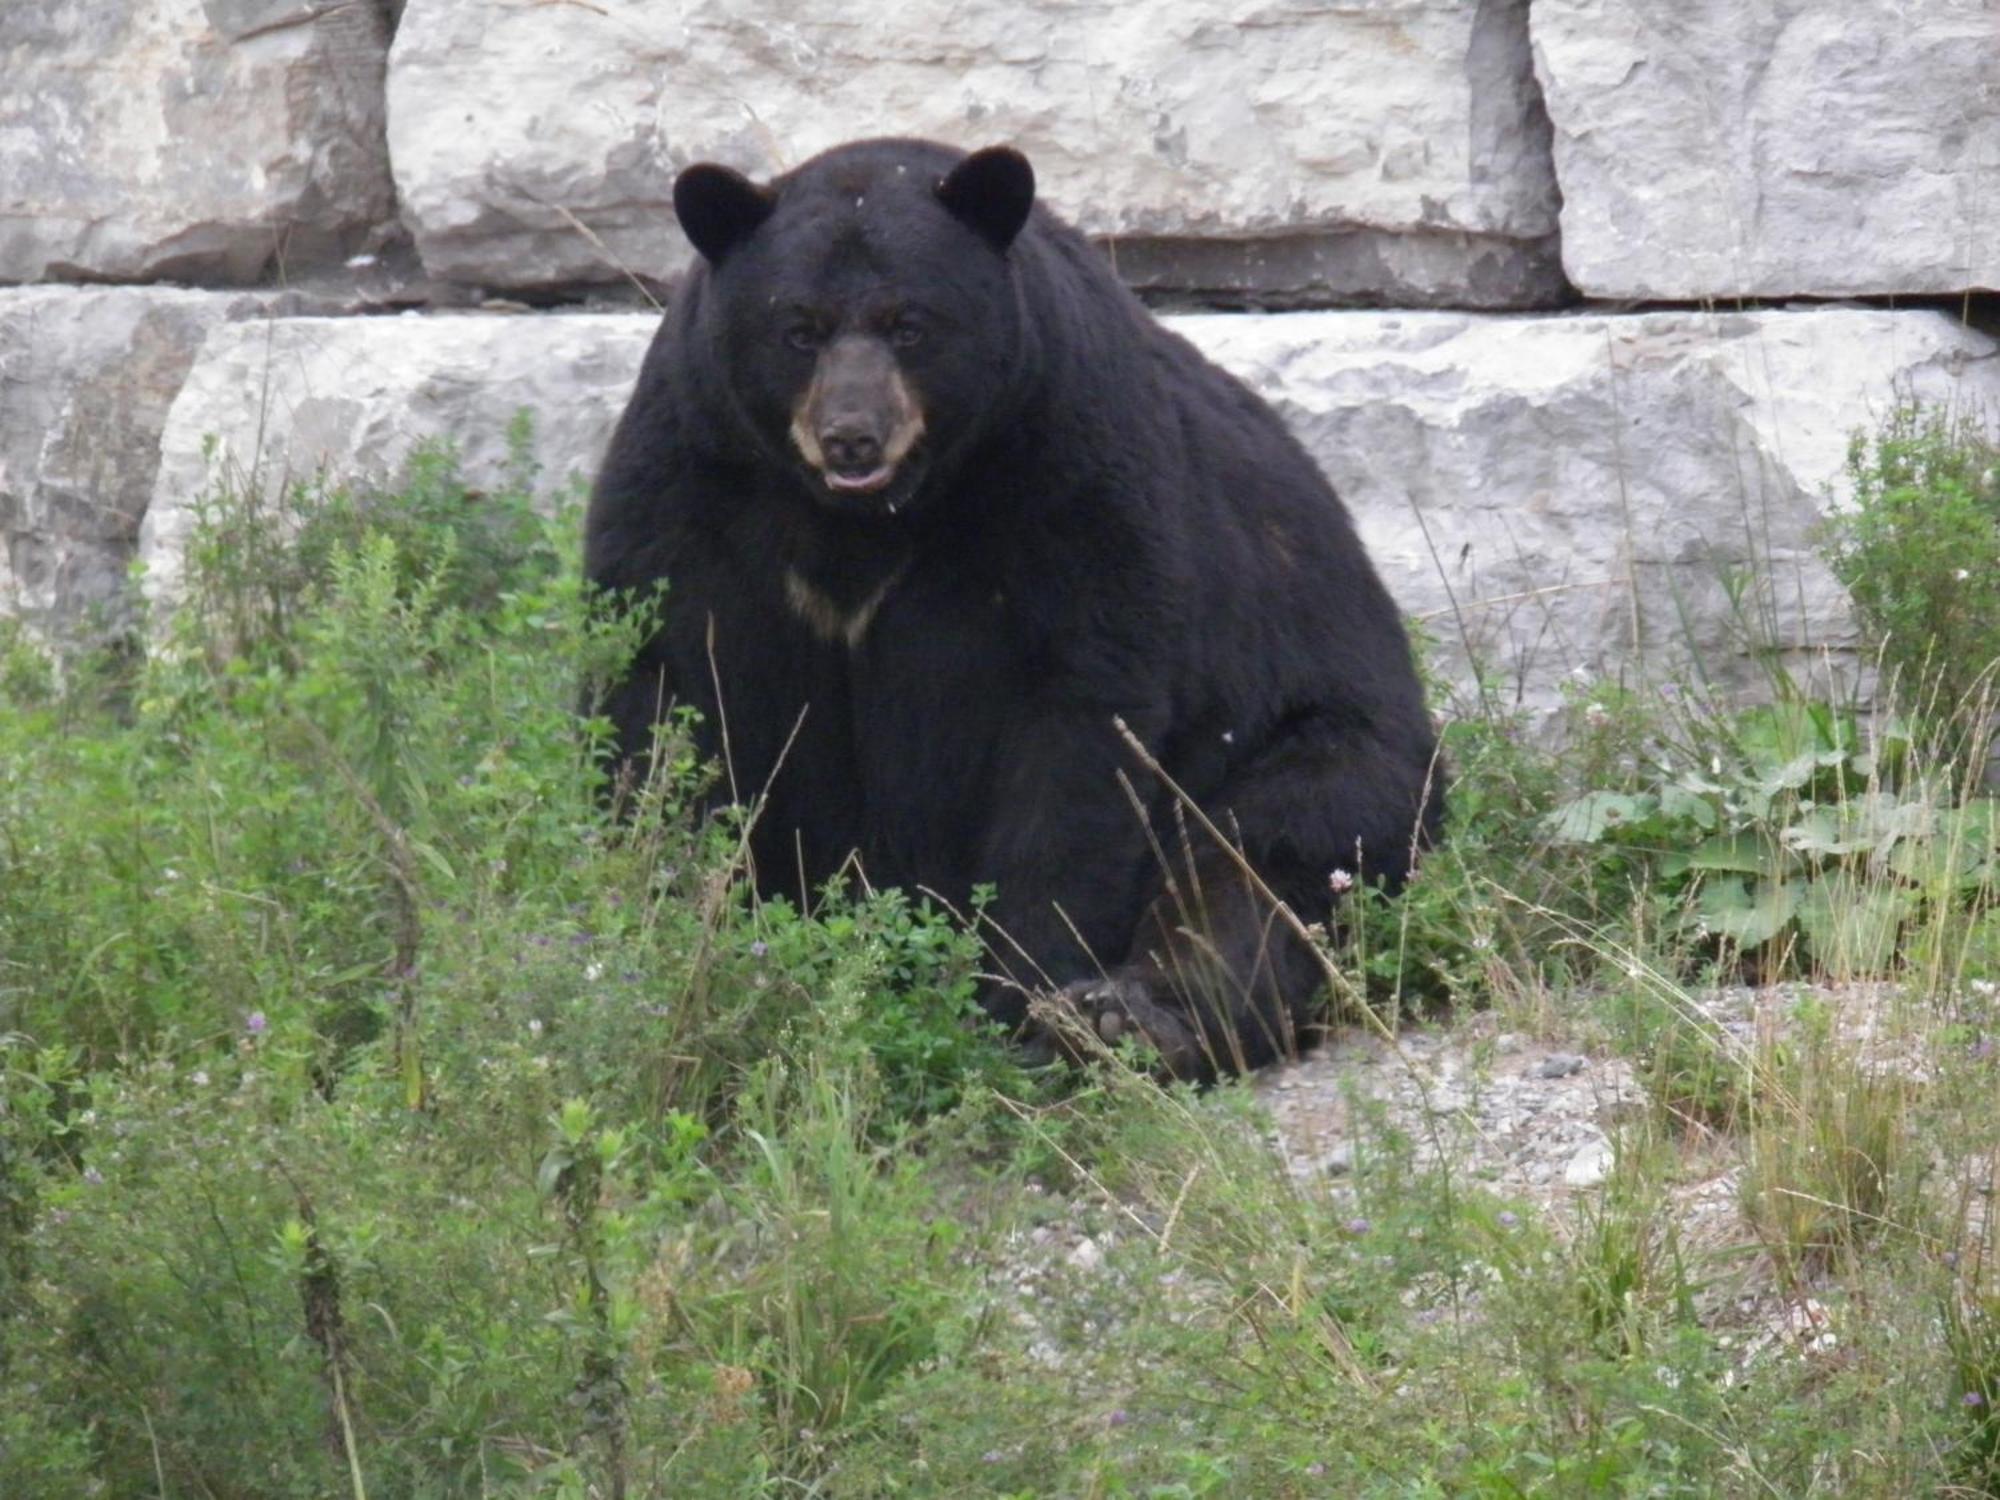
x: 1121, y: 1005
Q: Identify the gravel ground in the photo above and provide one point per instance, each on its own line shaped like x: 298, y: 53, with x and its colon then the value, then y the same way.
x: 1533, y: 1119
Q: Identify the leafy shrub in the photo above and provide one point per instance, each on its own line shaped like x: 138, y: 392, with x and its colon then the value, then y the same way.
x: 365, y: 1077
x: 1790, y: 843
x: 1920, y: 552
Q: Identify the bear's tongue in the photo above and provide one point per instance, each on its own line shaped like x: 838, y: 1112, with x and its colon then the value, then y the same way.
x: 859, y: 484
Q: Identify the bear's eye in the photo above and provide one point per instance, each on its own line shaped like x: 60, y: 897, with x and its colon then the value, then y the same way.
x: 906, y: 332
x: 804, y: 337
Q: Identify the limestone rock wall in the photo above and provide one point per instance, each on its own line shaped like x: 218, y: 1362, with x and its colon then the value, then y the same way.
x: 1544, y: 493
x: 86, y: 378
x: 1720, y: 148
x: 1614, y: 495
x: 208, y: 141
x: 270, y: 403
x: 1394, y: 150
x: 1469, y: 248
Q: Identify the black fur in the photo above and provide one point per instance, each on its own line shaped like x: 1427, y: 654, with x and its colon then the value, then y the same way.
x: 1096, y: 524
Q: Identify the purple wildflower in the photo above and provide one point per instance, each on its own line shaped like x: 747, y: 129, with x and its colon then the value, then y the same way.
x: 254, y: 1023
x: 1972, y: 1399
x: 94, y: 1177
x: 1358, y: 1226
x: 1507, y: 1218
x: 759, y: 948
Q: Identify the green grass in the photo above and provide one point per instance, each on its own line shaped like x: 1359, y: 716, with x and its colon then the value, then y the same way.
x: 380, y: 1117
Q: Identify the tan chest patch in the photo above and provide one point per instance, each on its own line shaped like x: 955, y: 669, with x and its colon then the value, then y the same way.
x: 830, y: 621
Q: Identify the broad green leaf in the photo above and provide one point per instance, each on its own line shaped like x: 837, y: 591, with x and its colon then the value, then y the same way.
x: 1888, y: 752
x: 1590, y: 817
x: 1800, y: 770
x: 1888, y: 817
x: 1727, y: 908
x: 1977, y: 824
x: 1959, y: 853
x: 1851, y: 925
x: 1866, y: 823
x: 1747, y: 853
x: 1680, y: 805
x: 1817, y: 831
x: 1776, y: 736
x: 1936, y: 865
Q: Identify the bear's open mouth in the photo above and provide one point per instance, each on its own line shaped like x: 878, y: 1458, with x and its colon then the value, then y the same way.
x: 866, y: 482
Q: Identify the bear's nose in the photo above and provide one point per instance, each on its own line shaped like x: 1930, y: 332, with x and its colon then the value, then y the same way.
x: 850, y: 449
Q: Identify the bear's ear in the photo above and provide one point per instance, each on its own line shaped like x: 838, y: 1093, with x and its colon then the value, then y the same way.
x: 991, y: 192
x: 718, y: 208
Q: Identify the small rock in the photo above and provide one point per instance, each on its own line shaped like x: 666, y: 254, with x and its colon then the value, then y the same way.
x: 1339, y: 1161
x: 1590, y: 1166
x: 1559, y: 1065
x: 1508, y: 1042
x: 1087, y: 1255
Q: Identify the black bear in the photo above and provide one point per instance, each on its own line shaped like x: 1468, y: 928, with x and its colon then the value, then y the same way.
x: 939, y: 505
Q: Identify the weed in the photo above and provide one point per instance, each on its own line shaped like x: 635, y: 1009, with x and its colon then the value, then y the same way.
x: 1789, y: 845
x: 1919, y: 550
x: 1695, y: 1072
x: 1828, y: 1148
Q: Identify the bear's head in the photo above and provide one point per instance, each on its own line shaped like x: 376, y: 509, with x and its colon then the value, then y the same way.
x: 862, y: 310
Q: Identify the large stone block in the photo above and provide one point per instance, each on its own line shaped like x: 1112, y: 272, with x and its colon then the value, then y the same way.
x: 1636, y: 495
x: 86, y: 378
x: 192, y: 140
x: 1719, y: 148
x: 1393, y: 150
x: 295, y: 398
x: 1610, y: 494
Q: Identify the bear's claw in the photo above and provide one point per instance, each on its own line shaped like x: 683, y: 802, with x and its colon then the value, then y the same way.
x: 1120, y: 1005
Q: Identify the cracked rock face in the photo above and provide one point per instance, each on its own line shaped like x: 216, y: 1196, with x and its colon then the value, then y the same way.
x: 86, y: 378
x: 1386, y: 150
x: 191, y: 140
x: 1617, y: 495
x: 1716, y: 148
